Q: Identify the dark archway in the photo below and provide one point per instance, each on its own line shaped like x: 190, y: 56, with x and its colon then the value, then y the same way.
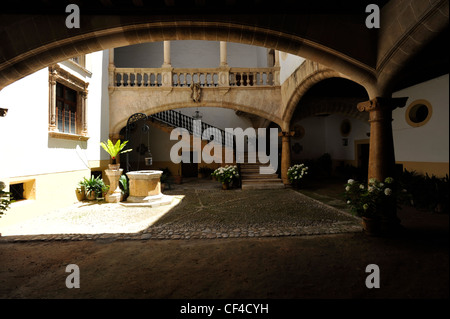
x: 330, y: 103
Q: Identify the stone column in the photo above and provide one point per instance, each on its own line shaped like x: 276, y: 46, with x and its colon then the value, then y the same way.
x: 276, y: 55
x: 167, y: 62
x: 381, y: 148
x: 52, y: 105
x: 84, y: 126
x: 166, y: 73
x: 111, y: 68
x: 223, y: 54
x: 285, y: 156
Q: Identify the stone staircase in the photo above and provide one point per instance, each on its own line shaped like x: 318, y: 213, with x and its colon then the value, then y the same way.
x: 251, y: 178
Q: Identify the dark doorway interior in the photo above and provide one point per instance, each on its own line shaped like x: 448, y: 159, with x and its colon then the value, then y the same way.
x: 190, y: 169
x: 363, y: 158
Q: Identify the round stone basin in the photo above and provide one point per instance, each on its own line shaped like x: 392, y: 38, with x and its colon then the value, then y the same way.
x: 144, y: 186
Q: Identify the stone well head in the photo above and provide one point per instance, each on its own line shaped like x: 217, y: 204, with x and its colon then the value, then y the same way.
x: 144, y: 185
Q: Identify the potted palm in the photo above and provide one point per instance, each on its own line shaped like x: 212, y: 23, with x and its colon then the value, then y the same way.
x: 113, y: 150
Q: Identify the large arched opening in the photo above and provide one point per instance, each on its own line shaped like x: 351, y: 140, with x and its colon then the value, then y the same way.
x: 330, y: 135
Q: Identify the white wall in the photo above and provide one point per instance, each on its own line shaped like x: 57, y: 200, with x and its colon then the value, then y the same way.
x: 219, y: 117
x: 189, y: 54
x: 288, y: 64
x: 98, y: 105
x: 246, y: 56
x: 313, y: 142
x: 323, y: 135
x: 27, y: 148
x: 144, y: 55
x: 430, y: 142
x: 334, y: 145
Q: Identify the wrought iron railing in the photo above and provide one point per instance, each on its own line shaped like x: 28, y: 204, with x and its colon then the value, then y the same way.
x: 177, y: 119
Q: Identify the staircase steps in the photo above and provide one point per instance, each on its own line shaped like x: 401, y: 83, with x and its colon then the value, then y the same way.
x: 251, y: 178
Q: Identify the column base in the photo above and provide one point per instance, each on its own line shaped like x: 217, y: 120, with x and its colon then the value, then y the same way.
x: 114, y: 197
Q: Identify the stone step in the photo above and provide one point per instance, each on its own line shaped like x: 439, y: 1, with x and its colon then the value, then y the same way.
x: 253, y: 169
x: 262, y: 186
x: 261, y: 180
x: 252, y: 165
x: 258, y: 176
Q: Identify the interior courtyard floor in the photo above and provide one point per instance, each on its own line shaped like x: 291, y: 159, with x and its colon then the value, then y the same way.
x: 414, y: 264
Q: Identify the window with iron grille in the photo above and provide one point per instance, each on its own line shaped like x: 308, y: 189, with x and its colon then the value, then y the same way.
x: 66, y: 109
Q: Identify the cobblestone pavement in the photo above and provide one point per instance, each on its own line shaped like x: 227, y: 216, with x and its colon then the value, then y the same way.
x: 201, y: 210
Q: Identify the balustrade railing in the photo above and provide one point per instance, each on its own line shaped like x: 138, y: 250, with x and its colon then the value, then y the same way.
x: 184, y: 77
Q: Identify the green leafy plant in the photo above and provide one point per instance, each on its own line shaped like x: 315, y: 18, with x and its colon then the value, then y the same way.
x: 123, y: 182
x: 165, y: 175
x: 372, y: 199
x: 114, y: 149
x: 296, y: 172
x: 430, y: 193
x: 226, y: 174
x: 94, y: 184
x: 5, y: 199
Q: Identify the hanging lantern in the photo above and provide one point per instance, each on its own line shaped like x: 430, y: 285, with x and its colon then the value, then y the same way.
x: 197, y: 115
x: 148, y: 159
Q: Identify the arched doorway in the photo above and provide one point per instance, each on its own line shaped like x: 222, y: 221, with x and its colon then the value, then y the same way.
x: 329, y: 133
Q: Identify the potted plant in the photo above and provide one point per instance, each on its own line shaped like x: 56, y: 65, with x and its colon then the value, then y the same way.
x: 165, y: 178
x: 373, y: 202
x: 5, y: 199
x: 113, y: 150
x: 178, y: 178
x: 94, y: 187
x: 80, y: 191
x: 226, y: 175
x: 123, y: 182
x: 295, y: 173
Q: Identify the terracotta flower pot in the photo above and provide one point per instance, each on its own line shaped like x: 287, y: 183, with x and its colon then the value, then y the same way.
x: 225, y: 186
x: 114, y: 167
x: 371, y: 226
x: 81, y: 194
x: 91, y: 195
x: 178, y: 179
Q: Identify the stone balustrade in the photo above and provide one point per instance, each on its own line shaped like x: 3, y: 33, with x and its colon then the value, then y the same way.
x: 183, y: 77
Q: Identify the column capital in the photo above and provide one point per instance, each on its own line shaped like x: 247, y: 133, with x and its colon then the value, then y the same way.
x: 382, y: 103
x: 286, y: 134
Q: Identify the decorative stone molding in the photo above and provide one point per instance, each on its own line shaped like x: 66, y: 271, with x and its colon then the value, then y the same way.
x: 381, y: 103
x: 58, y: 74
x: 196, y: 92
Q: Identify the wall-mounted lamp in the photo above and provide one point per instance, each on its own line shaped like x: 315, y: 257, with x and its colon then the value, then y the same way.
x: 345, y: 141
x: 3, y: 112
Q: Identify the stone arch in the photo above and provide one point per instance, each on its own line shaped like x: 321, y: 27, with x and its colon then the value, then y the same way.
x: 405, y: 30
x: 114, y: 33
x: 305, y: 77
x: 345, y: 105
